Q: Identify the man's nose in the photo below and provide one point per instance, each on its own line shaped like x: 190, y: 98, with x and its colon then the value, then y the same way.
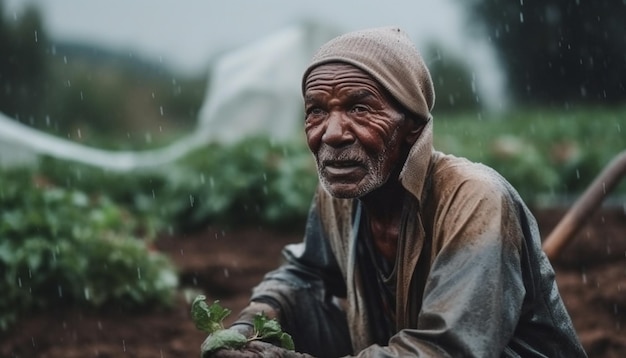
x: 337, y: 133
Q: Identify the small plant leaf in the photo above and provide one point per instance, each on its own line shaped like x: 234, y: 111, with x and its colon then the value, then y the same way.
x: 225, y: 338
x: 217, y: 313
x: 286, y: 341
x: 208, y: 318
x: 269, y: 330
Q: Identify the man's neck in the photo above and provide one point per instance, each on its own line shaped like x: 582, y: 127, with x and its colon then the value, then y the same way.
x: 385, y: 202
x: 383, y: 209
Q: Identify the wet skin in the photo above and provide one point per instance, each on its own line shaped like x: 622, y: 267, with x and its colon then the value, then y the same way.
x: 360, y: 138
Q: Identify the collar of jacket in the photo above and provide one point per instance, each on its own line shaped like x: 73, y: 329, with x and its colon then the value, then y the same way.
x: 415, y: 169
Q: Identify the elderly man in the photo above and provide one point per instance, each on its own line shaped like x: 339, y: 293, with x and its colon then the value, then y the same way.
x: 407, y: 251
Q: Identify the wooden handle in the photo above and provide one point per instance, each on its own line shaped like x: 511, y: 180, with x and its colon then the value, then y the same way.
x: 584, y: 207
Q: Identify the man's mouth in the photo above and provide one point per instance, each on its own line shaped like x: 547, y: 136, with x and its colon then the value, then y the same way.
x: 342, y: 167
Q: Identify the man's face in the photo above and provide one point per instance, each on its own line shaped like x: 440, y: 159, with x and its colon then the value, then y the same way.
x: 353, y: 128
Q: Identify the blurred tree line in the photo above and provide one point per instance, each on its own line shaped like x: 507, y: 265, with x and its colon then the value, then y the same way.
x: 23, y: 70
x: 557, y: 52
x: 79, y: 92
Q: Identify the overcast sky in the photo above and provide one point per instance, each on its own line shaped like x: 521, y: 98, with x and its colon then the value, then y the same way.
x: 186, y: 34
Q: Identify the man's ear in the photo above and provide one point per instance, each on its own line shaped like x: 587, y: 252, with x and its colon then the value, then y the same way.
x: 416, y: 126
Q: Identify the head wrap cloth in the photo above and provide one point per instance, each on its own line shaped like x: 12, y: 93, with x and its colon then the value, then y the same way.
x: 390, y: 57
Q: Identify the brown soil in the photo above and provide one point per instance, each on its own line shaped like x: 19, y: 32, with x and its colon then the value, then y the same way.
x: 225, y: 264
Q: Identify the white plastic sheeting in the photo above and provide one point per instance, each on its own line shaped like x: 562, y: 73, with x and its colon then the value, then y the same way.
x: 254, y: 90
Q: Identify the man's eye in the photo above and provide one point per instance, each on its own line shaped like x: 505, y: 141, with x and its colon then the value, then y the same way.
x: 315, y: 111
x: 359, y: 109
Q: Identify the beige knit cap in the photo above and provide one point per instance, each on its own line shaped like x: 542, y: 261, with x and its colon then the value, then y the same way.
x: 388, y: 55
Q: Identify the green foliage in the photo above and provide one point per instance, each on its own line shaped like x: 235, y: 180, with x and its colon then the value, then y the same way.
x: 135, y: 191
x: 253, y: 182
x: 543, y: 153
x: 61, y: 247
x: 209, y: 319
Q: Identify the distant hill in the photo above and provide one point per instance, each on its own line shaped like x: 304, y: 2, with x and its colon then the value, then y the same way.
x: 103, y: 57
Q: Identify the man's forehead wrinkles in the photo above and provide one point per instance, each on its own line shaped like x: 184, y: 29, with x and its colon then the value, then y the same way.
x: 360, y: 93
x: 350, y: 92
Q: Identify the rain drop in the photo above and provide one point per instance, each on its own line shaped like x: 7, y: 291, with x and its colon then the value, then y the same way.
x: 161, y: 110
x: 36, y: 36
x: 139, y: 273
x: 191, y: 200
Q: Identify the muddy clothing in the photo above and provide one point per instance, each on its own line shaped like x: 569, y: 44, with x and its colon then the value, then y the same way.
x: 469, y: 280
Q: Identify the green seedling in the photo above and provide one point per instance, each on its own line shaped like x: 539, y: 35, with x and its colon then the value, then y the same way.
x: 209, y: 319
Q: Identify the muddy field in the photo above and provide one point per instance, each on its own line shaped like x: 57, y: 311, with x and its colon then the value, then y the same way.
x: 225, y: 264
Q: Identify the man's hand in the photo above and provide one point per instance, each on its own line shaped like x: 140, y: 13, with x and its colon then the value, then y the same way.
x: 256, y: 349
